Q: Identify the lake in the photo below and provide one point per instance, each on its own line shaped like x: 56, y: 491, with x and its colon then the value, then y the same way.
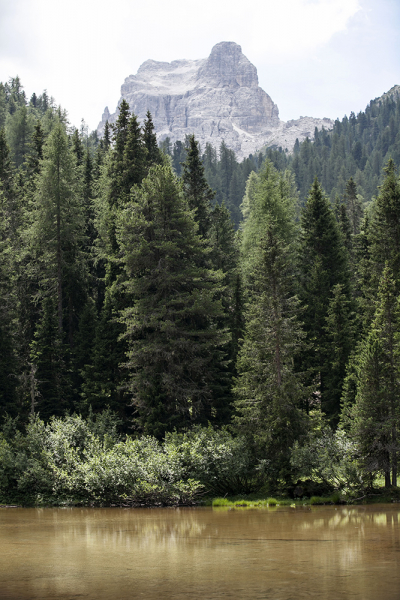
x: 282, y: 553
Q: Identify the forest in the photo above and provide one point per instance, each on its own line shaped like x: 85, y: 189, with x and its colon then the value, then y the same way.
x: 178, y: 325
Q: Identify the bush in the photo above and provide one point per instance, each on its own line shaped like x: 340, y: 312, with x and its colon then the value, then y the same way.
x: 220, y: 462
x: 328, y: 456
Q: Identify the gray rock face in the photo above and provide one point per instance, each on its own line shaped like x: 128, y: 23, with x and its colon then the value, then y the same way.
x: 217, y: 99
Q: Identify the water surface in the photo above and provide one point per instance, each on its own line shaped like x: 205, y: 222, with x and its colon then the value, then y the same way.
x: 201, y: 553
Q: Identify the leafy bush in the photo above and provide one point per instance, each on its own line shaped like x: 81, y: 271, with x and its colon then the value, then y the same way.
x: 328, y: 456
x: 220, y: 462
x: 73, y: 459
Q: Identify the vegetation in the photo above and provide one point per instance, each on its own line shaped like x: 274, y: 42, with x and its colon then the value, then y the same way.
x: 176, y: 325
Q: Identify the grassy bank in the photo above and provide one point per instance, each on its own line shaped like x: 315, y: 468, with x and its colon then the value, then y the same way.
x: 376, y: 496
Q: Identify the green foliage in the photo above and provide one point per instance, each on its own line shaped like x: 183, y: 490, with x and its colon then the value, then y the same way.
x: 175, y: 348
x: 122, y: 286
x: 57, y: 232
x: 73, y: 460
x: 375, y: 416
x: 198, y: 193
x: 330, y: 457
x: 327, y: 310
x: 154, y: 156
x: 222, y: 463
x: 269, y: 392
x: 355, y: 150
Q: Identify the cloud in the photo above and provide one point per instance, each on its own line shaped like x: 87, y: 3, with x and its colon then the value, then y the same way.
x: 82, y: 50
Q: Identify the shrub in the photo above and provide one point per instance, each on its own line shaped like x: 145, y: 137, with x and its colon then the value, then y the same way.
x: 222, y: 463
x: 328, y: 456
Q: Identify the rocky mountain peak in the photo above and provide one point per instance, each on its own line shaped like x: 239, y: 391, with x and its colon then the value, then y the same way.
x: 217, y: 99
x: 227, y: 66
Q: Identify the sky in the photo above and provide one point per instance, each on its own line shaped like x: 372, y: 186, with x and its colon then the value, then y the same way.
x: 318, y: 58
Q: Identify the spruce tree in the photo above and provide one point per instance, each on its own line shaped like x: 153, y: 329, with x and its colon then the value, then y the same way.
x: 49, y: 356
x: 8, y: 346
x: 376, y: 413
x: 385, y: 230
x: 198, y: 193
x: 175, y: 349
x: 269, y: 393
x: 57, y: 233
x: 353, y: 206
x: 323, y: 265
x: 134, y: 160
x: 123, y: 169
x: 154, y: 156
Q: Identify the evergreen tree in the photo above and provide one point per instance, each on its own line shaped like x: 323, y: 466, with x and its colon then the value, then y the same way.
x: 323, y: 266
x: 340, y: 339
x: 35, y: 155
x: 134, y: 160
x: 269, y: 393
x: 103, y: 377
x: 353, y: 206
x: 267, y: 193
x: 376, y: 413
x: 175, y: 351
x: 77, y: 147
x: 57, y: 233
x: 3, y: 106
x: 123, y: 169
x: 8, y: 358
x: 385, y: 230
x: 19, y: 126
x: 50, y: 359
x: 224, y: 256
x: 150, y: 141
x: 198, y: 193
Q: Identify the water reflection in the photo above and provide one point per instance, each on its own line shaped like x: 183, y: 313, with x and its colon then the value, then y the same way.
x: 324, y: 552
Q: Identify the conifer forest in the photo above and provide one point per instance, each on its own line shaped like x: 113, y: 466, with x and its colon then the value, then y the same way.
x: 175, y: 324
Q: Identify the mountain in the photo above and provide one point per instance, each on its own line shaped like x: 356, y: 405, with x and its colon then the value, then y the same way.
x: 357, y: 146
x: 217, y: 98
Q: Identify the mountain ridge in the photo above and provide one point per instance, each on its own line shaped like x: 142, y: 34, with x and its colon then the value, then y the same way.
x: 217, y: 99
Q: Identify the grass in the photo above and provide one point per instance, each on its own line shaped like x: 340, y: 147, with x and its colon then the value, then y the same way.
x: 240, y: 502
x: 246, y: 503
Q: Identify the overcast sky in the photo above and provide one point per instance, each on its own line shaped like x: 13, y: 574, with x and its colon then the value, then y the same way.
x: 319, y: 58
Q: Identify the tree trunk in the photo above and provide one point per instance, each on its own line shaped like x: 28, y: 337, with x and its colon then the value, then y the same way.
x: 387, y: 479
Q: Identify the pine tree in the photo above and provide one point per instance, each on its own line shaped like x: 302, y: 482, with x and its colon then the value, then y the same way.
x: 353, y: 206
x: 50, y: 359
x: 340, y: 339
x: 198, y: 193
x: 376, y: 413
x: 19, y: 128
x: 323, y: 266
x: 154, y: 156
x: 269, y: 393
x: 8, y: 358
x: 134, y: 160
x: 57, y: 232
x: 385, y: 230
x: 123, y: 169
x: 175, y: 351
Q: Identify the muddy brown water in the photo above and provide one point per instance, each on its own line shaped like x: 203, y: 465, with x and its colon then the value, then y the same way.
x: 201, y: 553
